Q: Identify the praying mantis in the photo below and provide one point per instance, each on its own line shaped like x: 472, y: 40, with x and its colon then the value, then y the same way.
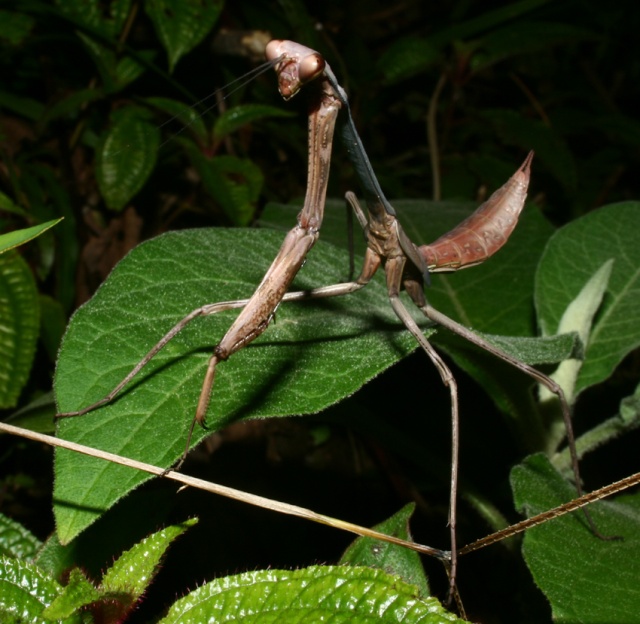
x: 406, y: 265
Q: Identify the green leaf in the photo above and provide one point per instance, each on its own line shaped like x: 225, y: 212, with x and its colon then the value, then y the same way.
x: 318, y: 593
x: 182, y: 24
x: 485, y: 21
x: 244, y: 114
x: 122, y: 584
x: 72, y: 104
x: 15, y: 27
x: 16, y: 541
x: 314, y: 355
x: 20, y: 237
x: 578, y: 317
x: 538, y: 350
x: 407, y: 57
x: 233, y: 182
x: 126, y: 156
x: 585, y: 579
x: 107, y: 20
x: 135, y: 569
x: 524, y: 37
x: 38, y: 415
x: 187, y: 116
x: 7, y: 204
x: 391, y: 558
x: 19, y: 325
x: 572, y: 256
x: 100, y: 28
x: 78, y: 593
x: 475, y: 297
x: 23, y: 106
x: 24, y: 593
x: 129, y: 68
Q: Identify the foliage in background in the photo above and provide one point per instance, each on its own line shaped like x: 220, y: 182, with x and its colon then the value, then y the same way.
x: 98, y: 125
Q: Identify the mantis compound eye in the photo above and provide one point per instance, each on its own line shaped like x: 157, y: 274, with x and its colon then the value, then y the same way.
x: 311, y: 67
x: 273, y: 49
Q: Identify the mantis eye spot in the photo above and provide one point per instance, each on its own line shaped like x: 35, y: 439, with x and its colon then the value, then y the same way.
x: 311, y: 67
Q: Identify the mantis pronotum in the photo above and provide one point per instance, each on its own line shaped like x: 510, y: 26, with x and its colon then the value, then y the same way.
x: 406, y: 265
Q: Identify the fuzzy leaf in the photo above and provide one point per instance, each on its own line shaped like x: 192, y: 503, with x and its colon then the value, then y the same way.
x: 314, y: 355
x: 25, y: 591
x: 132, y: 572
x: 585, y: 579
x: 77, y: 593
x: 572, y: 256
x: 319, y: 593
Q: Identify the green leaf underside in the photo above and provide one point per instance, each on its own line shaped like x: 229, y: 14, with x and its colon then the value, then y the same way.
x: 315, y: 594
x: 586, y: 579
x: 574, y: 253
x: 313, y: 355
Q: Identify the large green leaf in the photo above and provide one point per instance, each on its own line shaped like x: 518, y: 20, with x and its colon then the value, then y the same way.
x: 316, y: 594
x: 314, y: 355
x: 572, y: 256
x: 585, y: 579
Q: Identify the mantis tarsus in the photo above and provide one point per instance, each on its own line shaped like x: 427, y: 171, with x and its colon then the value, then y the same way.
x: 406, y: 265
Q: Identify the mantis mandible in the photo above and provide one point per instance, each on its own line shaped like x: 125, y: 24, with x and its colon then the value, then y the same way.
x: 406, y: 265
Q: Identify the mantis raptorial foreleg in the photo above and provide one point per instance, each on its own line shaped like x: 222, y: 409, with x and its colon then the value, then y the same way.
x: 293, y: 72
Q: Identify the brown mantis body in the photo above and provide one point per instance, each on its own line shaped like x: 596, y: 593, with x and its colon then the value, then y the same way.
x: 406, y: 265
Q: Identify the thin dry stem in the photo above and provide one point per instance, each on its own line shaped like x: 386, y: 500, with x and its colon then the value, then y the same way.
x: 222, y: 490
